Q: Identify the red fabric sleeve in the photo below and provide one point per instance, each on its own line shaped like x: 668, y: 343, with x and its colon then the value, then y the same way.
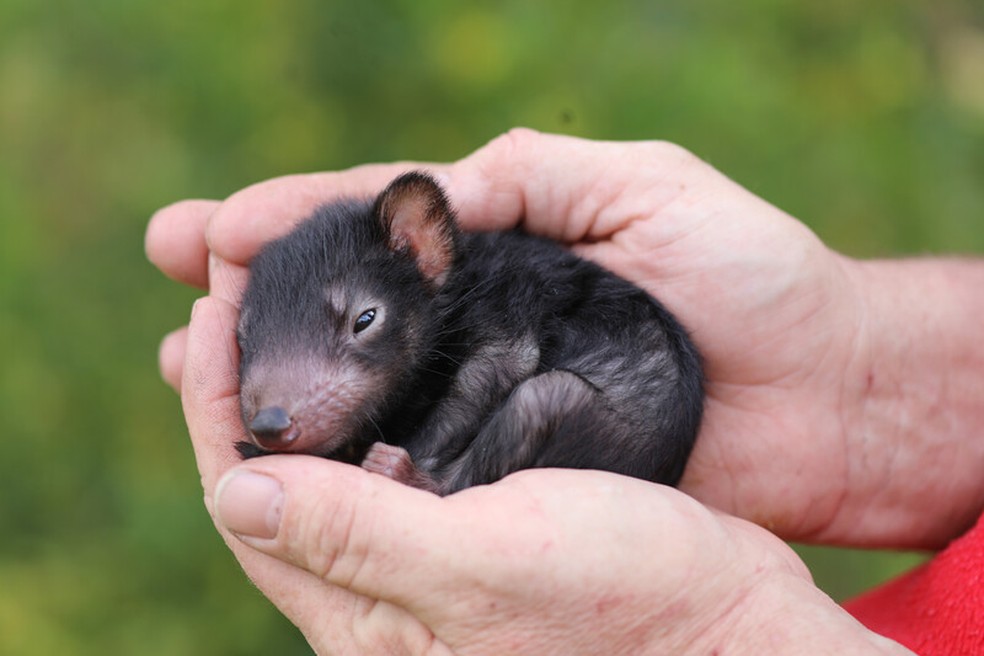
x: 938, y: 608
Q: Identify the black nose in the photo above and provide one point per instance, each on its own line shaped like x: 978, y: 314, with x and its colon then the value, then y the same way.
x: 271, y: 428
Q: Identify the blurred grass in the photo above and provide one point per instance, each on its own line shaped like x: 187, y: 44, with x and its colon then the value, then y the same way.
x: 866, y: 120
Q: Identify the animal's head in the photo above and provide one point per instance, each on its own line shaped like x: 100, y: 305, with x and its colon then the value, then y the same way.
x: 337, y: 316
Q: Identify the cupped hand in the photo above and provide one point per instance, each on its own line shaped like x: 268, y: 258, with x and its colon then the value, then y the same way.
x: 542, y: 562
x: 775, y: 313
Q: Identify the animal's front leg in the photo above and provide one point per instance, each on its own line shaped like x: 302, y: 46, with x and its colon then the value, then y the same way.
x: 394, y: 462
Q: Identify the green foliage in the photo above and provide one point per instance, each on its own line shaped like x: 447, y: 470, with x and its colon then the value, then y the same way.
x: 865, y: 119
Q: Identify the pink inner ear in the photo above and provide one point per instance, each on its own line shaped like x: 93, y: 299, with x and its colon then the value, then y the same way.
x: 409, y: 216
x: 413, y: 225
x: 434, y: 262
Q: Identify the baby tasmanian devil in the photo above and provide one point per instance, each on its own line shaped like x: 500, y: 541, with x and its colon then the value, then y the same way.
x: 376, y: 333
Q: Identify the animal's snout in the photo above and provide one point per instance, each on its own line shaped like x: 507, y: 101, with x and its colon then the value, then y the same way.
x: 271, y: 428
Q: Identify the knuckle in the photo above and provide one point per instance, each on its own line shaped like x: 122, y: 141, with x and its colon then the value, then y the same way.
x: 670, y: 152
x: 513, y: 145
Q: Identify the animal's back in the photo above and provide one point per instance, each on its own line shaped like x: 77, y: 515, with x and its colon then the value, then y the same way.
x: 528, y: 307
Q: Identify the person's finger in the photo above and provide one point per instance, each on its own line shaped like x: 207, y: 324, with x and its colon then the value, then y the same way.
x: 269, y: 209
x: 227, y: 280
x: 351, y: 528
x: 210, y: 388
x: 175, y: 240
x: 170, y: 357
x: 567, y: 188
x: 381, y: 539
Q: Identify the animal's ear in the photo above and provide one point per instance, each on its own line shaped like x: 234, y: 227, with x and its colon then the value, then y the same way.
x: 417, y: 217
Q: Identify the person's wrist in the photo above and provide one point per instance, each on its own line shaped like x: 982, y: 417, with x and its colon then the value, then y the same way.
x: 787, y: 614
x: 765, y: 602
x: 908, y: 396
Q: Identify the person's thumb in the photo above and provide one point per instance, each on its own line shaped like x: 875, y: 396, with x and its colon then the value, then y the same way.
x: 353, y: 529
x: 572, y: 189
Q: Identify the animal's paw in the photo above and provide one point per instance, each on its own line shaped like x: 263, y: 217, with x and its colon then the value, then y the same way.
x: 394, y: 462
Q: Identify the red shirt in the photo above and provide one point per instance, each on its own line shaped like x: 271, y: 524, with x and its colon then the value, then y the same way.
x: 938, y: 608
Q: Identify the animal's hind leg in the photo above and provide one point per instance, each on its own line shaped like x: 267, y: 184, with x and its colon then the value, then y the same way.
x: 555, y: 403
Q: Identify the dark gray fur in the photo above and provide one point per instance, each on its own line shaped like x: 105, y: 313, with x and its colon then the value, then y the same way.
x: 518, y: 355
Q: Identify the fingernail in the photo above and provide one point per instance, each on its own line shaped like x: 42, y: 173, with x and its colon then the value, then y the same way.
x: 249, y: 504
x: 195, y: 305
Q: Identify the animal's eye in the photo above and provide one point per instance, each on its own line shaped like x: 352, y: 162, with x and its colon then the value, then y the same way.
x: 364, y: 320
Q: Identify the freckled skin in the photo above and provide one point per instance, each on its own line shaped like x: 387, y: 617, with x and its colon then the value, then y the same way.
x: 481, y: 354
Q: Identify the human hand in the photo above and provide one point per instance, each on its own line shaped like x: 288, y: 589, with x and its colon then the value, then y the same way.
x: 785, y: 325
x: 544, y: 561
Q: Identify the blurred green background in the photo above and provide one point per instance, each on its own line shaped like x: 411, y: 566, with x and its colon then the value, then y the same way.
x: 864, y: 119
